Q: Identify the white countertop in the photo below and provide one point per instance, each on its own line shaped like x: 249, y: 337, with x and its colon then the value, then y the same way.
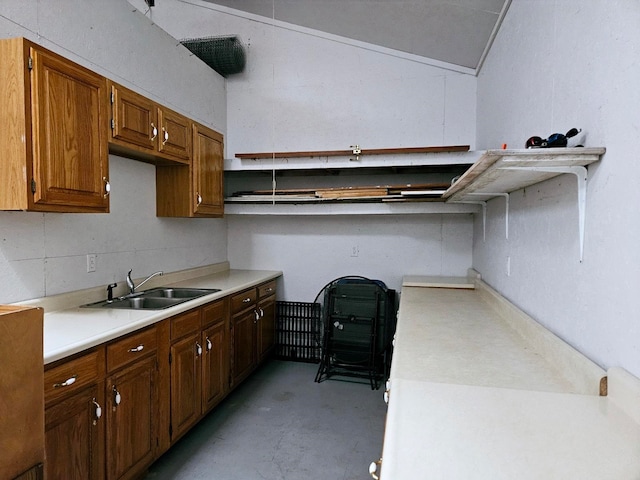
x: 71, y: 330
x: 460, y: 432
x: 471, y: 397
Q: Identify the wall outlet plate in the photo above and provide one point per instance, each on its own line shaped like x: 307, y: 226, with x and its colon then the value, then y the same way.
x: 91, y: 262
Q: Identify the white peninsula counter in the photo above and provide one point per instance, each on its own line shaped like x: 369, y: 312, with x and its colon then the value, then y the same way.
x: 478, y: 390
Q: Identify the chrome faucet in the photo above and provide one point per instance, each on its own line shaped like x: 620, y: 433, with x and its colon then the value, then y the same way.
x: 132, y: 286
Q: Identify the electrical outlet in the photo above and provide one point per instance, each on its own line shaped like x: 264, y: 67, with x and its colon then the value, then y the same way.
x: 355, y: 250
x: 91, y: 262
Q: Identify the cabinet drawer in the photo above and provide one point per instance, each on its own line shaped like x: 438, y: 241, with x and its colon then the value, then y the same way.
x: 214, y: 313
x: 184, y: 324
x: 131, y: 348
x: 72, y: 375
x: 243, y: 300
x: 267, y: 289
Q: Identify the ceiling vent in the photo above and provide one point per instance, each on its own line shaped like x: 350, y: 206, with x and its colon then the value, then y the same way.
x: 226, y: 55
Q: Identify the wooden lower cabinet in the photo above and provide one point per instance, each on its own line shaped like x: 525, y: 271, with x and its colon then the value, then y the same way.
x: 22, y: 400
x: 215, y: 366
x: 114, y: 409
x: 186, y: 384
x: 244, y: 345
x: 74, y: 438
x: 266, y: 335
x: 199, y: 365
x: 131, y: 416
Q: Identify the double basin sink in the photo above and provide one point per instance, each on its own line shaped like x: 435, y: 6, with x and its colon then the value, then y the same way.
x: 154, y: 299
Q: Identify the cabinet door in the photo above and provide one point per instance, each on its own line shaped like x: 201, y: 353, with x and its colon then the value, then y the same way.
x: 215, y: 376
x: 74, y: 436
x: 175, y: 135
x: 244, y: 344
x: 134, y: 118
x: 266, y: 326
x: 185, y: 384
x: 207, y: 170
x: 70, y: 162
x: 131, y: 416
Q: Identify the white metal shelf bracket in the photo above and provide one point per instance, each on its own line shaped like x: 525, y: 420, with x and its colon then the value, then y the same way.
x: 581, y: 174
x: 506, y: 208
x: 484, y: 216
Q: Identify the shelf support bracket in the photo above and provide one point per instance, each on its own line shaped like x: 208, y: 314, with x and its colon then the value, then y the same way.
x: 506, y: 208
x: 581, y: 174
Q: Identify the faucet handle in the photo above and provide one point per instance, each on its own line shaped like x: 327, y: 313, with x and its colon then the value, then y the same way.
x: 110, y: 291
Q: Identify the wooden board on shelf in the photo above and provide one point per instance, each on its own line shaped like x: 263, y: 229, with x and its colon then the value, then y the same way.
x: 346, y: 153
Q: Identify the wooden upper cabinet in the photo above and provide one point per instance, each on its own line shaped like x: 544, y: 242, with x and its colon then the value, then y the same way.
x: 145, y: 130
x: 208, y: 171
x: 134, y: 119
x: 197, y: 190
x: 54, y: 146
x: 175, y: 135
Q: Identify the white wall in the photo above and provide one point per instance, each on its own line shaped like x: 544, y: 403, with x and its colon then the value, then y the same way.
x: 556, y: 65
x: 305, y: 90
x: 45, y: 254
x: 314, y: 252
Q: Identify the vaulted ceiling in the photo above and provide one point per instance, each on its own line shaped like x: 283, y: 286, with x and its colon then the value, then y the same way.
x: 458, y: 32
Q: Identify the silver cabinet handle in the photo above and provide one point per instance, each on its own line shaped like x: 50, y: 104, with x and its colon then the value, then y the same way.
x: 373, y: 469
x: 269, y: 290
x: 198, y: 349
x: 117, y: 398
x: 67, y: 382
x: 165, y: 136
x: 261, y: 312
x: 209, y: 345
x: 137, y: 349
x: 246, y: 300
x: 198, y: 199
x: 255, y: 312
x: 154, y: 132
x: 107, y: 187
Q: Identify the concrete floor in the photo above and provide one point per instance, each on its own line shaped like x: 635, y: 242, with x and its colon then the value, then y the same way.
x: 280, y: 425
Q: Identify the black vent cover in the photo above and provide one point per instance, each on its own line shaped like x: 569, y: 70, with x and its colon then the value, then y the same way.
x: 225, y: 55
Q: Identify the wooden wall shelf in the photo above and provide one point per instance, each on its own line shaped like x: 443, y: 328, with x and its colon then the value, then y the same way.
x: 499, y: 172
x: 354, y: 151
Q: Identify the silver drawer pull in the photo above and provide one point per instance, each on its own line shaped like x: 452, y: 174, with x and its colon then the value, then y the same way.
x: 67, y: 382
x: 246, y: 300
x: 209, y: 345
x: 269, y: 290
x: 198, y: 349
x: 137, y: 349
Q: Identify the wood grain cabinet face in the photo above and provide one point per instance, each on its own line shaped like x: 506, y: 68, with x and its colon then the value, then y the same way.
x: 132, y: 404
x: 199, y: 365
x: 54, y: 147
x: 143, y: 129
x: 266, y: 339
x: 215, y: 361
x: 75, y: 418
x: 21, y: 378
x: 208, y: 171
x: 74, y: 439
x: 197, y: 190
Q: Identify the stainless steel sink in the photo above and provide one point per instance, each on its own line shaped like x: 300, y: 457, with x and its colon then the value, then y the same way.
x: 154, y: 299
x: 178, y: 292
